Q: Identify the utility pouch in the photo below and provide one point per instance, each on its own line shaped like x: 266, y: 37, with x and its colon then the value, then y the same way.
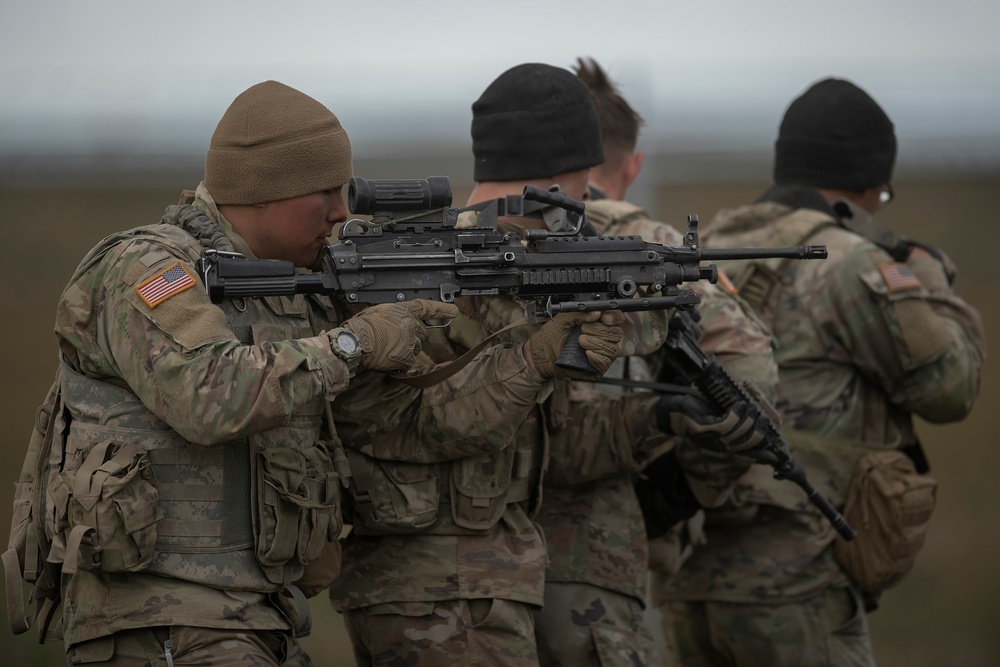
x: 392, y: 497
x: 297, y: 504
x: 479, y: 488
x: 26, y: 559
x: 890, y: 505
x: 113, y: 510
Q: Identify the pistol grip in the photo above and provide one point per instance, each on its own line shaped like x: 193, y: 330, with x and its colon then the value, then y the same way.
x: 573, y: 356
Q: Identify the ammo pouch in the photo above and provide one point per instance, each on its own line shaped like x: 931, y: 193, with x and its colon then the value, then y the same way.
x: 890, y: 505
x: 394, y: 497
x: 296, y: 504
x: 26, y: 559
x: 482, y: 486
x: 112, y: 510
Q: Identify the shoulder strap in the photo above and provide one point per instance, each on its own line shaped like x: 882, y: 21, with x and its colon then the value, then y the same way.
x: 608, y: 213
x: 758, y: 281
x: 445, y: 371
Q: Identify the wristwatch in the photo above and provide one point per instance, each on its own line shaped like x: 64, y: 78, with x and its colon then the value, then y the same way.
x: 345, y: 345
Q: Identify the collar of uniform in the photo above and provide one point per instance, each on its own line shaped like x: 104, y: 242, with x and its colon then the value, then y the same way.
x: 204, y: 201
x: 798, y: 196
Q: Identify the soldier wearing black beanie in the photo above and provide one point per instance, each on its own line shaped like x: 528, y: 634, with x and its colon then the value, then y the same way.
x: 835, y: 136
x: 534, y: 121
x: 864, y: 344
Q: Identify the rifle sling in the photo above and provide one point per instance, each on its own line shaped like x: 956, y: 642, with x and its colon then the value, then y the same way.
x: 658, y: 387
x: 444, y: 372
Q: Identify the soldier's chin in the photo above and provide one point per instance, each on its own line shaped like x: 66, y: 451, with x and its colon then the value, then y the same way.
x: 317, y: 263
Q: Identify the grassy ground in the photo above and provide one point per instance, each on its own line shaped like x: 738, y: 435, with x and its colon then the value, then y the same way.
x: 943, y: 614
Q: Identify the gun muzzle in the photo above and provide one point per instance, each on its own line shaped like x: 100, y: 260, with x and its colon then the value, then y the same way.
x: 790, y: 252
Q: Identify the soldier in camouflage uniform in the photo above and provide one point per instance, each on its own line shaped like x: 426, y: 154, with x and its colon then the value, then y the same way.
x: 444, y: 564
x: 536, y: 124
x: 866, y: 339
x: 192, y: 487
x: 596, y: 580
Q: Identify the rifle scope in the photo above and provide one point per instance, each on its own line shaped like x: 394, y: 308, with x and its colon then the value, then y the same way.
x: 368, y: 197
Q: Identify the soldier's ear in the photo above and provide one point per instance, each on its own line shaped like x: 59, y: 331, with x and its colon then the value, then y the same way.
x: 633, y: 165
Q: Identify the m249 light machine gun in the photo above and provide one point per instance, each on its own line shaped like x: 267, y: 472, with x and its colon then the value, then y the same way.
x: 413, y: 248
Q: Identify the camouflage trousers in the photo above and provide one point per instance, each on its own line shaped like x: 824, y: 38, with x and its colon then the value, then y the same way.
x: 827, y: 630
x: 584, y: 625
x: 181, y: 645
x: 450, y: 633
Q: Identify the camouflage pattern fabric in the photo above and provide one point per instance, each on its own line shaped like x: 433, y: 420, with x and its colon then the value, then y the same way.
x: 477, y: 544
x: 595, y: 532
x: 195, y: 647
x: 201, y: 379
x: 601, y: 628
x: 453, y: 633
x: 864, y: 343
x: 828, y: 628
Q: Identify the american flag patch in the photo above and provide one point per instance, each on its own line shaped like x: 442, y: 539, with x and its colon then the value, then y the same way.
x: 164, y: 285
x: 898, y: 277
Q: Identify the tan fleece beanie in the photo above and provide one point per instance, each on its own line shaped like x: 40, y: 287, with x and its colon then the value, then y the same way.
x: 274, y: 143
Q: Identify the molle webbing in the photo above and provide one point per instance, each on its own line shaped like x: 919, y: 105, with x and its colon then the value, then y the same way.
x: 204, y: 490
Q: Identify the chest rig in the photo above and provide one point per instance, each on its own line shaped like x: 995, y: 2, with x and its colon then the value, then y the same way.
x: 133, y: 495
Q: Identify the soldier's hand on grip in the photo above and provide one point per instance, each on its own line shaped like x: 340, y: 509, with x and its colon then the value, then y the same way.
x: 695, y: 418
x: 391, y: 334
x: 600, y: 336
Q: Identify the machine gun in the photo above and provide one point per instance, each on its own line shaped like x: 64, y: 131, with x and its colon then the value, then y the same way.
x: 689, y: 364
x: 413, y: 248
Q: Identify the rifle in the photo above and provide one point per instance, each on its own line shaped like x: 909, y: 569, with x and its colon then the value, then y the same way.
x: 412, y: 248
x: 686, y: 361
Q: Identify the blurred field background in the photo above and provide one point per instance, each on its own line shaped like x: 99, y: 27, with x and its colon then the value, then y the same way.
x: 945, y: 613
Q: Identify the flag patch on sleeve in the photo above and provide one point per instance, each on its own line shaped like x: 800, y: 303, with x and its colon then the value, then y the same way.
x: 164, y: 285
x: 898, y: 276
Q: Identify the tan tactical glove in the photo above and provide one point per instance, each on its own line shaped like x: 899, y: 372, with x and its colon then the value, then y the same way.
x: 600, y: 336
x: 390, y: 334
x: 695, y: 418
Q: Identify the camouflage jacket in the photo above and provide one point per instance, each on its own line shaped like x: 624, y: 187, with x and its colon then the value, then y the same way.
x: 595, y: 531
x: 864, y: 343
x: 214, y: 398
x: 460, y: 509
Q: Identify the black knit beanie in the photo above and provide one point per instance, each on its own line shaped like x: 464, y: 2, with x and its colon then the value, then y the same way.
x: 275, y: 143
x: 534, y: 121
x: 835, y: 136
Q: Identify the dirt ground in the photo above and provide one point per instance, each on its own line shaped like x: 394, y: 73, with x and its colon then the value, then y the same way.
x: 943, y: 614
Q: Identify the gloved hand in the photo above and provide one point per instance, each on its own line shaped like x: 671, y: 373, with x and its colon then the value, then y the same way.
x: 390, y: 334
x: 600, y: 335
x: 695, y: 418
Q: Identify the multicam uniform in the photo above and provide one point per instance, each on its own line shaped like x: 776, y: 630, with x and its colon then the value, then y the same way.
x: 864, y: 342
x: 198, y: 409
x: 452, y: 545
x: 215, y: 415
x: 598, y: 554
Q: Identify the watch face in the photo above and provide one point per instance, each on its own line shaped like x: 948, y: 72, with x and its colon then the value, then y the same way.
x: 347, y: 342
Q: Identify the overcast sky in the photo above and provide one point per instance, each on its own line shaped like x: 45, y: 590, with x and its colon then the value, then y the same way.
x: 83, y: 76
